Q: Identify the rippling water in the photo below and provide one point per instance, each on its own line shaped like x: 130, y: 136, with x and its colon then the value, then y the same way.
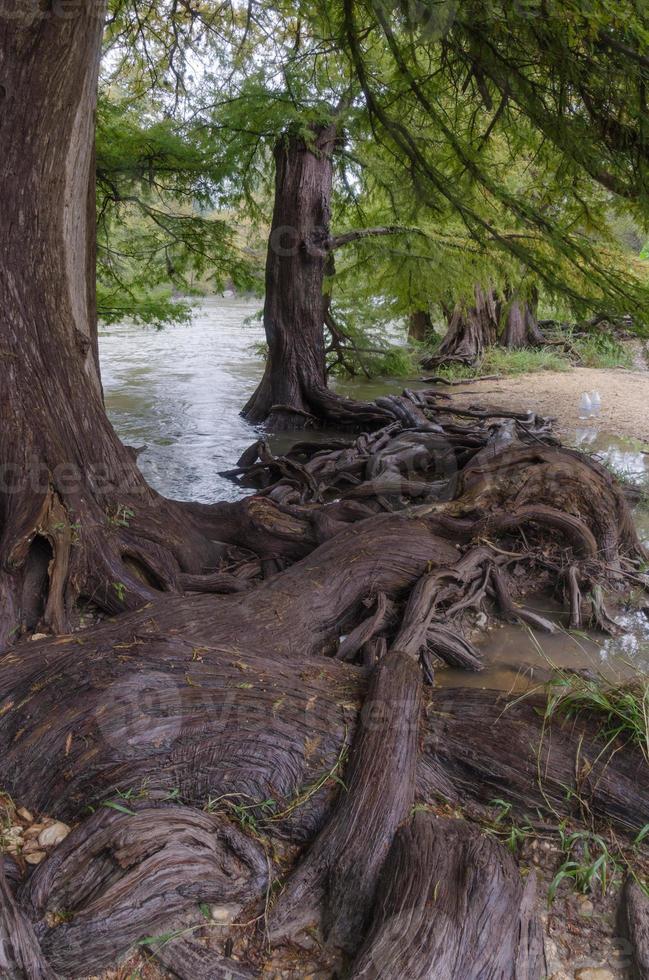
x: 179, y: 391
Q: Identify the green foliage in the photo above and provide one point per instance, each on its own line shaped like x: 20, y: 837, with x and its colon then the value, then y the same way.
x: 499, y: 360
x: 622, y: 711
x: 115, y: 805
x: 588, y: 863
x: 396, y: 362
x: 158, y: 234
x: 600, y: 350
x: 507, y: 142
x: 508, y: 830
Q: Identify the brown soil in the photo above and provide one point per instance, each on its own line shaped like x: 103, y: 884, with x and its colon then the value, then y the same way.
x: 624, y: 394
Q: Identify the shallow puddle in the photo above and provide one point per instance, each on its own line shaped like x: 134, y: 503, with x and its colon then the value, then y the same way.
x: 518, y: 658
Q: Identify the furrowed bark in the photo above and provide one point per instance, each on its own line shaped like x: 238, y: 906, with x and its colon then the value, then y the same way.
x: 470, y: 331
x: 295, y: 269
x: 451, y: 903
x: 21, y: 957
x: 189, y: 960
x: 77, y: 520
x: 335, y: 882
x: 293, y: 391
x: 123, y: 877
x: 238, y: 702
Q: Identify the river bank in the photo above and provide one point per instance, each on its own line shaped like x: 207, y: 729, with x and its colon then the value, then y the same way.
x: 624, y: 394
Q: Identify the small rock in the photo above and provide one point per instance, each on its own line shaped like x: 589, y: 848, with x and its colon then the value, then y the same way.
x: 54, y: 834
x: 35, y: 857
x: 33, y: 831
x: 594, y: 973
x: 38, y: 636
x: 25, y: 815
x: 586, y: 907
x: 224, y: 914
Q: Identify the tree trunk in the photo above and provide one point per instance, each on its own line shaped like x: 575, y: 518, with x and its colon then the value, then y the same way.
x: 470, y: 331
x: 420, y: 326
x: 521, y: 328
x: 293, y: 391
x: 76, y: 517
x: 294, y: 307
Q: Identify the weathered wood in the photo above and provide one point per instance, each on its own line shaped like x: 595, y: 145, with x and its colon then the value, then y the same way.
x: 471, y: 329
x: 490, y: 747
x: 189, y: 960
x: 240, y: 699
x: 122, y: 877
x: 334, y: 884
x: 635, y: 925
x: 451, y: 903
x: 293, y: 390
x: 21, y: 957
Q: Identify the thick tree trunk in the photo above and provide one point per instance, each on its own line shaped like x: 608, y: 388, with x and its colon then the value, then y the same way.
x: 521, y: 328
x: 293, y: 391
x: 294, y: 307
x: 76, y: 517
x: 471, y: 329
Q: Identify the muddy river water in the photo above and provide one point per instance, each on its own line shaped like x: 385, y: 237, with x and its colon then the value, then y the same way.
x: 178, y: 391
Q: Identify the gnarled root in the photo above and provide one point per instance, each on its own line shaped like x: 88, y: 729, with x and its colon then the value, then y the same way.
x: 451, y: 903
x: 336, y: 880
x: 119, y: 877
x: 239, y: 702
x: 21, y: 957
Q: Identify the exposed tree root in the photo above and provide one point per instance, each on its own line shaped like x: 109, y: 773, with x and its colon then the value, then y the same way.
x: 190, y: 960
x: 20, y: 953
x: 335, y: 883
x: 350, y: 576
x: 451, y: 903
x: 122, y: 876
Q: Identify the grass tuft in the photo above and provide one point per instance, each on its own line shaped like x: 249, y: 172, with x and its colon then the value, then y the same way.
x: 623, y: 710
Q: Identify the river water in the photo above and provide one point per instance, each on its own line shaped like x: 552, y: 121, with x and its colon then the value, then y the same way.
x: 179, y: 391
